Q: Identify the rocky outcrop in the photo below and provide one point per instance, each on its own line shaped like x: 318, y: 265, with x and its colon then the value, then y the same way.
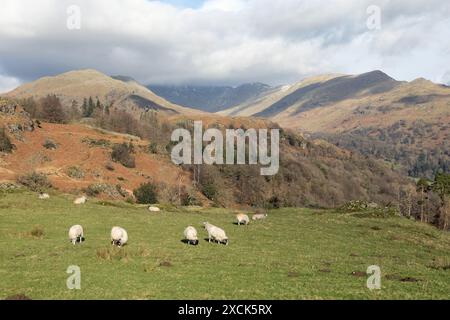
x: 15, y: 119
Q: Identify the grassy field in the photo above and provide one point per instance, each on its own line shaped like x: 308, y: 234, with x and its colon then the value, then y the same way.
x: 294, y: 254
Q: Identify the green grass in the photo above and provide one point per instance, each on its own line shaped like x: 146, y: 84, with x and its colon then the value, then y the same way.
x: 294, y: 254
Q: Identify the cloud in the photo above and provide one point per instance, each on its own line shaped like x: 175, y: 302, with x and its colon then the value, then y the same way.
x: 225, y: 41
x: 8, y: 83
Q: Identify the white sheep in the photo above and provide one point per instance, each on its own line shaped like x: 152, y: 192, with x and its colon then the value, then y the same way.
x: 242, y: 219
x: 154, y: 209
x: 190, y: 235
x: 119, y: 236
x: 259, y: 216
x: 215, y: 233
x: 81, y: 200
x: 44, y: 196
x: 76, y: 234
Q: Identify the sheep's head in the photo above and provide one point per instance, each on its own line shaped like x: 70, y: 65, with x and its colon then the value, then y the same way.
x: 205, y: 224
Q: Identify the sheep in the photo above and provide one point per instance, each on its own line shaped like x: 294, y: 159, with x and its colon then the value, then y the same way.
x: 119, y: 236
x: 154, y: 209
x: 242, y: 219
x: 81, y: 200
x: 215, y: 233
x: 44, y: 196
x: 76, y: 234
x: 259, y: 216
x: 190, y: 235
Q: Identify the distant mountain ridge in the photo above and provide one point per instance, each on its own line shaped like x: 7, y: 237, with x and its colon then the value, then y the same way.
x: 120, y: 91
x: 211, y: 98
x: 405, y: 123
x: 320, y: 94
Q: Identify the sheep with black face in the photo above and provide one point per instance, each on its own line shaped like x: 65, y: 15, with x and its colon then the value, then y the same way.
x: 190, y: 235
x: 119, y: 236
x: 76, y: 234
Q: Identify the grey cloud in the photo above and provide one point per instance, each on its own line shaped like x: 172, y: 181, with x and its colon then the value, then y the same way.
x: 225, y: 41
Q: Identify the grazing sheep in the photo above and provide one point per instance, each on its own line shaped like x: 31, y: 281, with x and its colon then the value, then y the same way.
x: 154, y: 209
x: 81, y: 200
x: 119, y: 236
x: 190, y: 234
x: 76, y: 234
x: 215, y: 233
x: 259, y: 216
x: 242, y: 219
x: 44, y: 196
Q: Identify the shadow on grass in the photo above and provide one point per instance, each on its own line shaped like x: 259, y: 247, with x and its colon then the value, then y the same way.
x: 214, y: 241
x: 189, y: 242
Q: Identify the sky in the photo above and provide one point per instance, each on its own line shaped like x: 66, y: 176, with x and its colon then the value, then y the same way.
x: 224, y: 42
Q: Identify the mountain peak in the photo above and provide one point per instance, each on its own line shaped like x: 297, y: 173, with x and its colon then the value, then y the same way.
x: 82, y: 72
x: 77, y: 85
x: 376, y: 75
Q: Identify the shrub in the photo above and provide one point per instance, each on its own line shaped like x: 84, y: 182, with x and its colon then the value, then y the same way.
x: 109, y: 190
x: 109, y: 166
x: 189, y: 199
x: 5, y: 143
x: 93, y: 190
x: 146, y: 194
x: 34, y: 181
x: 274, y: 202
x: 96, y: 143
x: 75, y: 172
x: 49, y: 144
x: 358, y: 205
x: 122, y: 153
x: 210, y: 191
x: 52, y: 110
x: 153, y: 148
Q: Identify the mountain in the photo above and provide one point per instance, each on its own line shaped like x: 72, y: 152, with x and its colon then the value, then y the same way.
x: 315, y: 92
x: 122, y: 92
x: 406, y: 123
x: 258, y: 105
x: 210, y: 98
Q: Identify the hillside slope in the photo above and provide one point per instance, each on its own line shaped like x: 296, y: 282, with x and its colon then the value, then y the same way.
x: 312, y: 173
x: 402, y: 122
x: 259, y: 105
x: 293, y: 254
x: 212, y: 98
x: 78, y: 85
x: 86, y: 150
